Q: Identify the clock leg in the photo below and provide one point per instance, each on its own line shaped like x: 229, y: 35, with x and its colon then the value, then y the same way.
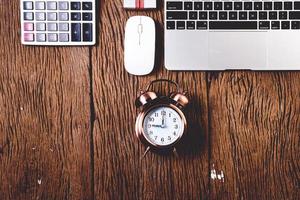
x: 175, y: 152
x: 146, y: 151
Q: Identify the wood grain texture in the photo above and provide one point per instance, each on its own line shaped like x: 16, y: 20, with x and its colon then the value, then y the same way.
x: 119, y: 171
x: 254, y: 127
x: 45, y: 117
x: 67, y: 120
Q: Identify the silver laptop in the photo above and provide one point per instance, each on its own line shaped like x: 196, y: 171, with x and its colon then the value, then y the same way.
x: 220, y: 35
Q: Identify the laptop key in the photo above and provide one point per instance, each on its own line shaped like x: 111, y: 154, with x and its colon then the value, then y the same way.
x: 213, y: 15
x: 295, y: 24
x: 193, y: 15
x: 218, y: 5
x: 208, y: 5
x: 272, y: 15
x: 268, y: 5
x: 223, y: 15
x: 177, y: 15
x: 170, y: 25
x: 285, y: 25
x: 174, y: 5
x: 198, y: 6
x: 275, y: 25
x: 180, y: 25
x: 253, y: 15
x: 231, y: 25
x: 188, y: 5
x: 277, y: 5
x: 258, y: 5
x: 201, y: 25
x: 202, y: 15
x: 238, y: 5
x: 190, y: 25
x: 297, y: 5
x: 288, y: 5
x: 263, y: 15
x: 294, y: 14
x: 232, y: 15
x: 247, y: 5
x: 264, y: 25
x: 282, y: 15
x: 243, y: 15
x: 227, y: 5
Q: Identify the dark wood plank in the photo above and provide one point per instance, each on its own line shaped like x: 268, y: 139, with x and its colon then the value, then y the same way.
x: 44, y: 117
x: 255, y: 126
x: 119, y: 172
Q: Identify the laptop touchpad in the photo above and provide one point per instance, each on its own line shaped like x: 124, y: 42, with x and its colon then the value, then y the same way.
x: 237, y: 50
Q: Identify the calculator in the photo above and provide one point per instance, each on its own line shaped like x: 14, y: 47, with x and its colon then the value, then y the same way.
x: 58, y: 23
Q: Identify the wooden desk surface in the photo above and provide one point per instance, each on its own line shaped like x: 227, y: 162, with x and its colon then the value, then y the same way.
x: 67, y: 124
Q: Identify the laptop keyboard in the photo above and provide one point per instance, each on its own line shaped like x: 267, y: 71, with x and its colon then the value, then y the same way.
x: 232, y: 15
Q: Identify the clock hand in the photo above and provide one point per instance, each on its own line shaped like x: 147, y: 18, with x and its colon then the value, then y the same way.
x: 163, y: 121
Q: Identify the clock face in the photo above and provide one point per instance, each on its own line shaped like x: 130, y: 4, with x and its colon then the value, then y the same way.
x: 163, y: 126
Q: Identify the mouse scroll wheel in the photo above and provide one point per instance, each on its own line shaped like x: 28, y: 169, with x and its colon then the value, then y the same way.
x: 140, y: 29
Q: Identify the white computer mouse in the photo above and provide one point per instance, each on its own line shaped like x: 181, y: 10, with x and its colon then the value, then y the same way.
x: 139, y: 45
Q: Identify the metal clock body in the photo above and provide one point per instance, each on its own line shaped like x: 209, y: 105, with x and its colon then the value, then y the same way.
x: 161, y: 124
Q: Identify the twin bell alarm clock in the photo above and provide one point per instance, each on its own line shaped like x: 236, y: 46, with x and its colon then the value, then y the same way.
x: 161, y: 124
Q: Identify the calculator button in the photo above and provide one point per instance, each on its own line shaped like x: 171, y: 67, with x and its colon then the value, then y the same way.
x: 75, y: 6
x: 40, y: 16
x: 28, y: 26
x: 87, y: 17
x: 87, y: 6
x: 51, y: 5
x: 28, y: 5
x: 63, y: 5
x: 63, y: 27
x: 64, y: 37
x: 41, y: 37
x: 76, y: 32
x: 28, y: 16
x: 52, y: 16
x: 52, y: 37
x: 63, y: 16
x: 76, y: 16
x: 40, y: 26
x: 40, y: 5
x: 52, y: 27
x: 28, y: 37
x: 87, y: 32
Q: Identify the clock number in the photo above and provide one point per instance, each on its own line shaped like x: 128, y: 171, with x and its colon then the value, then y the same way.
x: 149, y: 125
x: 169, y: 114
x: 155, y: 137
x: 174, y: 119
x: 150, y: 132
x: 176, y: 126
x: 151, y: 119
x: 174, y: 133
x: 163, y: 112
x: 169, y: 137
x: 156, y: 114
x: 162, y: 139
